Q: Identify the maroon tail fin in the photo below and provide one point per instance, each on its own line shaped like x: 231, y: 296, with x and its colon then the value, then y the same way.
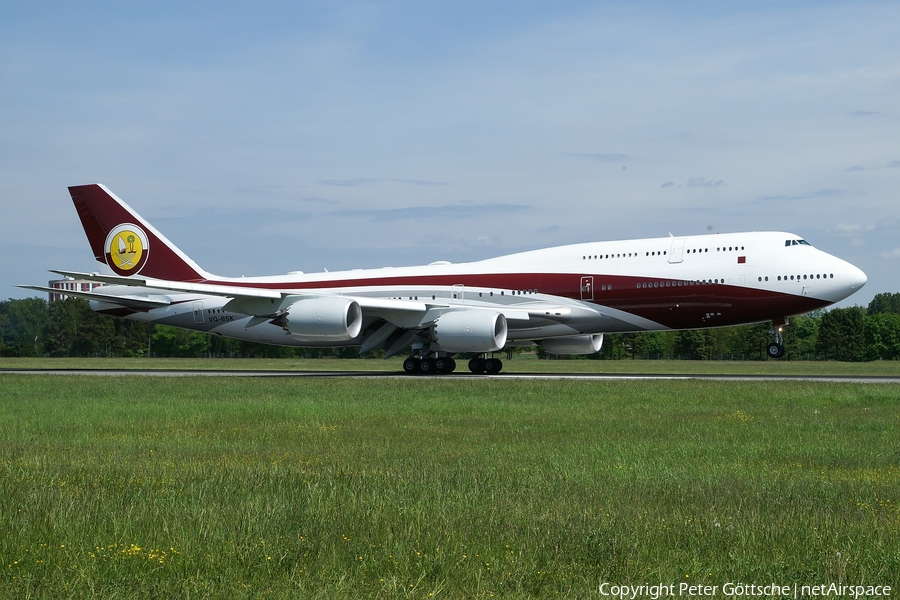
x: 128, y: 244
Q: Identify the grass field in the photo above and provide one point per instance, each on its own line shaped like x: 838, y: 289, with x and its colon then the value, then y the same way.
x: 526, y: 363
x: 469, y: 488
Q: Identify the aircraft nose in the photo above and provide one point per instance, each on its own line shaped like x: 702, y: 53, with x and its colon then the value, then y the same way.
x: 857, y: 277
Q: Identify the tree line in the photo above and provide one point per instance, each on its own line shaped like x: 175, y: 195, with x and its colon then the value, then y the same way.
x: 33, y: 327
x: 69, y: 328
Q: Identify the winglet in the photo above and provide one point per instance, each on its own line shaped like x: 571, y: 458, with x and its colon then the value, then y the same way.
x: 124, y: 241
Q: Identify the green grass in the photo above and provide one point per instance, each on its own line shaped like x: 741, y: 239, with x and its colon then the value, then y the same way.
x: 419, y: 488
x: 519, y: 364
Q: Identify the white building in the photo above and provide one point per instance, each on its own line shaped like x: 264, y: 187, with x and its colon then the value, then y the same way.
x: 72, y: 285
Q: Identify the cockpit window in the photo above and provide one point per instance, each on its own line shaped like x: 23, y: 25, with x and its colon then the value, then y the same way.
x: 796, y: 243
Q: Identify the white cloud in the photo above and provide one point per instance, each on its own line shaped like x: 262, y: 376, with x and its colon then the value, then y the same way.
x: 852, y: 228
x: 696, y: 182
x: 603, y: 157
x: 704, y: 183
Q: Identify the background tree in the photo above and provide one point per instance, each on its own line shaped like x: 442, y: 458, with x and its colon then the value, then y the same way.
x: 31, y: 327
x: 884, y: 303
x: 693, y: 344
x: 801, y: 337
x: 752, y: 341
x: 658, y: 344
x: 4, y: 324
x: 61, y: 334
x: 616, y: 346
x: 25, y: 327
x: 841, y: 334
x: 882, y: 336
x: 132, y: 338
x: 724, y: 342
x: 171, y: 341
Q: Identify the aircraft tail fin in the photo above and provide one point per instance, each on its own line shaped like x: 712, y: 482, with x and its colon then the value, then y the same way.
x: 124, y: 241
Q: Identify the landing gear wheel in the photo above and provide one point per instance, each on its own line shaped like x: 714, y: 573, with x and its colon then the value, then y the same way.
x: 493, y: 365
x: 444, y: 364
x: 411, y: 365
x: 476, y: 365
x: 775, y: 350
x: 426, y: 366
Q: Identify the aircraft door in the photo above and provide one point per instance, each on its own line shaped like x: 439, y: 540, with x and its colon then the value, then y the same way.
x: 457, y: 294
x: 198, y: 313
x: 676, y: 253
x: 587, y: 288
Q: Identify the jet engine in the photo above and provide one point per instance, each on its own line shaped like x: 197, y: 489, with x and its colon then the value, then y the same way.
x: 470, y: 331
x: 326, y: 319
x: 575, y: 344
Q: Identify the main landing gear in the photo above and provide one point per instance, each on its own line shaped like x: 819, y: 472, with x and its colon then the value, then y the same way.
x: 439, y: 365
x: 442, y: 365
x: 485, y: 365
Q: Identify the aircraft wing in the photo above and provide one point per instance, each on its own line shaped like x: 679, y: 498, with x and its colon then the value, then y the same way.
x: 261, y: 302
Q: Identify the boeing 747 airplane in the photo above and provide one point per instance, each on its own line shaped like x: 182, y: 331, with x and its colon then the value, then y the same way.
x: 563, y: 298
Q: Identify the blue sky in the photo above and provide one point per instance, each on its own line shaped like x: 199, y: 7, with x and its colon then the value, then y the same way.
x: 287, y: 136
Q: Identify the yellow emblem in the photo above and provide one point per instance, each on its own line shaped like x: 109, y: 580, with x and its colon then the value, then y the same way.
x: 126, y: 249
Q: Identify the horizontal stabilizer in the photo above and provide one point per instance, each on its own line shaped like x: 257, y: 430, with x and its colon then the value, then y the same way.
x: 132, y: 302
x: 227, y: 291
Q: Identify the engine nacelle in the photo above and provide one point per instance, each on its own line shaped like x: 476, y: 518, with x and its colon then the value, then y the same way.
x: 574, y: 344
x: 470, y: 331
x: 328, y: 319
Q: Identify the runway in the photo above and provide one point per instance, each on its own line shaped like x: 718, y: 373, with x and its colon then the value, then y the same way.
x: 454, y: 376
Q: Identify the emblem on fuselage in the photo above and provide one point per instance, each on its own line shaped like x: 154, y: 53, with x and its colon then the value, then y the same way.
x: 127, y: 249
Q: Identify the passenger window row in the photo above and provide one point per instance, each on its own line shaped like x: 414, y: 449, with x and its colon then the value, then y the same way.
x: 622, y: 255
x: 657, y: 253
x: 678, y: 283
x: 799, y: 277
x: 481, y: 294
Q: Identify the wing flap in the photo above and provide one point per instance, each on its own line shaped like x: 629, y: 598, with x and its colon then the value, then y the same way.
x: 410, y: 314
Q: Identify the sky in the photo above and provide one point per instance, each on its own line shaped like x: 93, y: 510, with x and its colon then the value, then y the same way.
x: 269, y: 137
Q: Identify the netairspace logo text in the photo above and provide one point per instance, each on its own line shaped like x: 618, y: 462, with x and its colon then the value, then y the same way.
x: 743, y: 590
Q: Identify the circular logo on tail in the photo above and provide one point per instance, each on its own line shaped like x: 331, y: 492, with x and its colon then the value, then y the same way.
x: 127, y: 249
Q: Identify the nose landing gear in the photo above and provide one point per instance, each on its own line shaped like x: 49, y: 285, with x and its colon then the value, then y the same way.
x: 776, y: 348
